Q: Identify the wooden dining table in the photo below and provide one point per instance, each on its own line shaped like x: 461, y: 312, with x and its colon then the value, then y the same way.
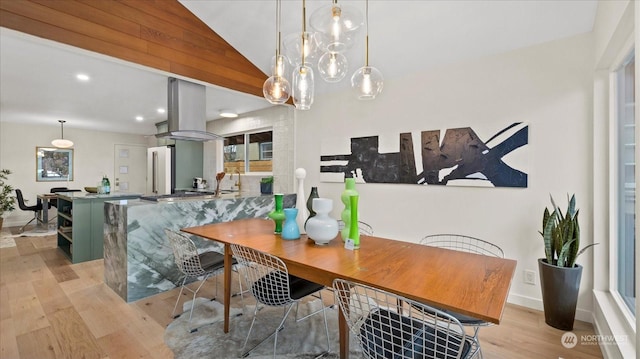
x: 466, y: 283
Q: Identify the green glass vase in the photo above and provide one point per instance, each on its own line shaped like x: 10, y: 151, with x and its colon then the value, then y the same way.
x: 278, y: 213
x: 350, y: 190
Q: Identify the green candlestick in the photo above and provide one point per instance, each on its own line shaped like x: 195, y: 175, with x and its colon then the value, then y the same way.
x: 354, y: 231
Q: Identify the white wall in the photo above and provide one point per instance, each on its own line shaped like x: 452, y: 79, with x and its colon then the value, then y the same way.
x: 548, y: 86
x: 93, y: 157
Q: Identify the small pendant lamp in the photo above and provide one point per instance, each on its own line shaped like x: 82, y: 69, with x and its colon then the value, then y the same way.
x: 333, y: 66
x: 276, y: 88
x: 303, y: 83
x: 367, y: 81
x: 337, y: 26
x: 62, y: 142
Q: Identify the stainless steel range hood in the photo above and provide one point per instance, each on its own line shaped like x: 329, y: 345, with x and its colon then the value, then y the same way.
x: 186, y: 114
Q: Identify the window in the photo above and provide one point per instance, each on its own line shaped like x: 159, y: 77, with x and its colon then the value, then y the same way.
x: 266, y: 150
x: 625, y: 186
x: 256, y: 147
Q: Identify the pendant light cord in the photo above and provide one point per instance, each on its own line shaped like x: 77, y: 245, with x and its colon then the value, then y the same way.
x: 366, y: 55
x: 278, y: 37
x: 304, y: 28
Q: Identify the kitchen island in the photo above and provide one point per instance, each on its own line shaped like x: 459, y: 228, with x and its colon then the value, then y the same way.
x: 80, y: 223
x: 138, y: 259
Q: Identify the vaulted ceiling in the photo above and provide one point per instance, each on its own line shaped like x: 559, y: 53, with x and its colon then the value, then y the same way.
x: 228, y: 44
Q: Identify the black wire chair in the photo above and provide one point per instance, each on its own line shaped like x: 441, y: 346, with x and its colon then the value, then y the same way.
x: 387, y: 325
x: 272, y: 285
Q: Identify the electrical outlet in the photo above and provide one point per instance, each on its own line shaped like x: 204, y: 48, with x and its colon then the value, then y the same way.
x: 529, y: 276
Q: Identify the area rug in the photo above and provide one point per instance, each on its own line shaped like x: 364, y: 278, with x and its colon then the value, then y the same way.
x: 305, y: 339
x: 37, y: 232
x: 6, y: 239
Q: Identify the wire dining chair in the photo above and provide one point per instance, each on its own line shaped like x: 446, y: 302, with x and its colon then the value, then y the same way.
x: 387, y: 325
x: 271, y: 284
x: 193, y: 265
x: 364, y: 228
x: 467, y: 244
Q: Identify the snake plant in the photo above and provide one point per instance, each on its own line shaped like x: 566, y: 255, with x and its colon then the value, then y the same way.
x: 561, y: 234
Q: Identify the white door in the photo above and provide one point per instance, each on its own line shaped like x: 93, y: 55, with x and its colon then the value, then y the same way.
x: 130, y: 170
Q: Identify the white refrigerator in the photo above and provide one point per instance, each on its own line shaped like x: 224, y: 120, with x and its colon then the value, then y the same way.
x: 159, y: 170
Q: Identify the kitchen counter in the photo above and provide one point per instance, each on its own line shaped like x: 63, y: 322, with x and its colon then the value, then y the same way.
x: 196, y: 195
x: 138, y: 258
x: 85, y: 195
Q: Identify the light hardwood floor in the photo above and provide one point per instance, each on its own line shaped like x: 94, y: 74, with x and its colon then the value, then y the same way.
x: 50, y: 308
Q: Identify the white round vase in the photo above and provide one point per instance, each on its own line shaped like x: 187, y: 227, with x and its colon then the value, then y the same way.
x: 322, y: 228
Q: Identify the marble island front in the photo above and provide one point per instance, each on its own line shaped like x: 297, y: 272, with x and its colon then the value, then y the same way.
x: 138, y: 258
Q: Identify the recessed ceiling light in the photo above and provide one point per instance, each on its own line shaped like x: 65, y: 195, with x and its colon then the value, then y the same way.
x: 161, y: 110
x: 83, y: 77
x: 228, y: 114
x: 139, y: 118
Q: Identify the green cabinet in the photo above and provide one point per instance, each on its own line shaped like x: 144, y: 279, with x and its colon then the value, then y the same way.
x: 81, y: 224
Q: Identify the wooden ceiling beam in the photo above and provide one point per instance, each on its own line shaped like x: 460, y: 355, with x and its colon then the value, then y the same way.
x: 160, y: 34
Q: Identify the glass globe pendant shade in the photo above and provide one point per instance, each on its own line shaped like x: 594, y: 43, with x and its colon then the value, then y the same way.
x: 293, y: 47
x: 333, y: 66
x: 303, y: 87
x: 280, y: 65
x: 367, y: 81
x: 276, y: 90
x: 336, y: 26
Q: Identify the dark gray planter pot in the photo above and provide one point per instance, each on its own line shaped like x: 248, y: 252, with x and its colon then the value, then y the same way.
x: 560, y: 288
x: 266, y: 188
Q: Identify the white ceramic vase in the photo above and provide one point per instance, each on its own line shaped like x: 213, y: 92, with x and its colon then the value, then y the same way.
x: 322, y: 228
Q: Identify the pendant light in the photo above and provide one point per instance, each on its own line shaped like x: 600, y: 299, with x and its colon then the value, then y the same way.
x: 303, y: 84
x: 295, y: 48
x: 337, y: 26
x: 61, y: 142
x: 367, y: 81
x: 333, y: 66
x: 276, y: 88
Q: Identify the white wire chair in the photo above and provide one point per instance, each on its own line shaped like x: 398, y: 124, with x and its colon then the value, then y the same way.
x: 271, y: 284
x: 387, y: 325
x: 193, y: 265
x: 364, y: 228
x: 467, y: 244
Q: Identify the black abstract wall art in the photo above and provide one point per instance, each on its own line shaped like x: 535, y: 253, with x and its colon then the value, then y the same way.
x: 456, y: 156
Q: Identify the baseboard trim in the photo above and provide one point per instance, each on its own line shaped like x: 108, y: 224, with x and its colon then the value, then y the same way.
x: 536, y: 303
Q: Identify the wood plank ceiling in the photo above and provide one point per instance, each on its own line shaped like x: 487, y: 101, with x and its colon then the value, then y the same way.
x: 161, y: 34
